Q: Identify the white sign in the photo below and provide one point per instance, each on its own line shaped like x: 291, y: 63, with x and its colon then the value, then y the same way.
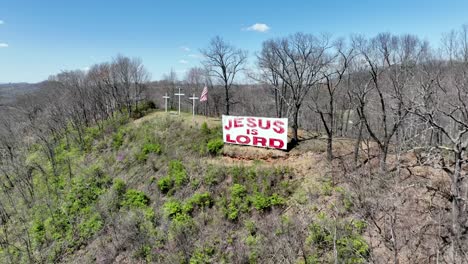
x: 256, y: 131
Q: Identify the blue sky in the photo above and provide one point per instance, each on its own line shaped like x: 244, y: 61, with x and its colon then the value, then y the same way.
x: 40, y: 38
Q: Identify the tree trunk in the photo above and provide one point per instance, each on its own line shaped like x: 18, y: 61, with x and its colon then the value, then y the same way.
x: 357, y: 146
x: 295, y: 125
x: 383, y: 158
x: 456, y: 212
x: 330, y: 148
x: 227, y: 99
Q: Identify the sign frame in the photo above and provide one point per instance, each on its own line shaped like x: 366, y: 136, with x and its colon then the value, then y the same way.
x: 266, y: 132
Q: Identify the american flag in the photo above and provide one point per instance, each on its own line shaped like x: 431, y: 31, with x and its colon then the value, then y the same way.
x: 204, y: 95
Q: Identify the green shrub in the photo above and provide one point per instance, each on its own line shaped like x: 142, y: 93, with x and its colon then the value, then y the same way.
x: 205, y: 129
x: 165, y: 184
x: 119, y: 186
x: 260, y: 201
x: 118, y: 139
x: 201, y: 200
x: 177, y: 173
x: 176, y: 177
x: 237, y: 203
x: 215, y: 146
x: 90, y: 226
x: 202, y: 255
x: 350, y: 244
x: 263, y: 202
x: 134, y: 198
x: 84, y: 191
x: 91, y: 133
x: 147, y: 149
x: 276, y: 200
x: 172, y: 208
x: 250, y: 226
x: 151, y: 148
x: 238, y: 191
x: 38, y: 231
x: 327, y: 188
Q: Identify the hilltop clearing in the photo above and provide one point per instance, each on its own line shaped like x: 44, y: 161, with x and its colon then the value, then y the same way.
x: 164, y: 189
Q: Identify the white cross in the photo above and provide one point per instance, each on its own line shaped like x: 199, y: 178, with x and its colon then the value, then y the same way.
x: 193, y: 98
x: 179, y: 94
x: 165, y: 101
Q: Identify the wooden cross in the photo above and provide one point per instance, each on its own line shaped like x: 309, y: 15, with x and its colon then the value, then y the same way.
x: 165, y: 101
x: 179, y: 94
x: 193, y: 98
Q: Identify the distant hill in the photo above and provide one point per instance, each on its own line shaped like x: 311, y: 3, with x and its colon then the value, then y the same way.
x: 9, y: 91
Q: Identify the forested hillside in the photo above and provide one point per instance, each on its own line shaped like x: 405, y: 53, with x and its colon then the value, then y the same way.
x: 92, y: 170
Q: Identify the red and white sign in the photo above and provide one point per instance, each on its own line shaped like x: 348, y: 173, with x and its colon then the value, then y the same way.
x: 256, y: 131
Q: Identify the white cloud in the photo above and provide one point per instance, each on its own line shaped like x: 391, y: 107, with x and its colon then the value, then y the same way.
x: 3, y: 45
x: 183, y: 62
x: 184, y: 48
x: 196, y: 56
x: 86, y: 69
x: 259, y: 27
x: 2, y: 22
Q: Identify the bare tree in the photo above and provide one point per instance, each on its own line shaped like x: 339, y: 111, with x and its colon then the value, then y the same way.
x: 269, y: 77
x: 450, y: 116
x: 298, y: 61
x: 390, y: 61
x: 333, y: 81
x: 170, y: 82
x: 223, y: 62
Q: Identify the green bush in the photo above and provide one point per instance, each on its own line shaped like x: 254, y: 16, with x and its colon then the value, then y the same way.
x: 176, y: 177
x: 147, y: 149
x: 90, y: 226
x: 260, y: 201
x: 215, y: 146
x: 119, y: 186
x: 263, y: 202
x: 91, y: 133
x: 275, y: 200
x: 238, y: 203
x: 205, y: 129
x: 84, y: 191
x: 172, y: 208
x: 238, y: 191
x: 38, y: 232
x: 350, y: 244
x: 200, y: 200
x: 134, y: 198
x: 118, y: 139
x: 165, y: 184
x: 202, y: 255
x: 177, y: 173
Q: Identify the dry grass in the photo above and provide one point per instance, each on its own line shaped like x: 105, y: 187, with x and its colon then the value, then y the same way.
x: 188, y: 118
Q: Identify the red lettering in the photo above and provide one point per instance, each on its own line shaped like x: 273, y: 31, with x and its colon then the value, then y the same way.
x: 251, y: 122
x: 276, y: 143
x: 243, y: 139
x: 229, y: 140
x: 264, y: 126
x: 238, y: 122
x: 259, y: 140
x: 229, y: 126
x: 279, y: 127
x: 254, y: 132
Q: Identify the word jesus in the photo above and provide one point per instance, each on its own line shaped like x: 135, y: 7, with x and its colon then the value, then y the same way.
x: 252, y: 122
